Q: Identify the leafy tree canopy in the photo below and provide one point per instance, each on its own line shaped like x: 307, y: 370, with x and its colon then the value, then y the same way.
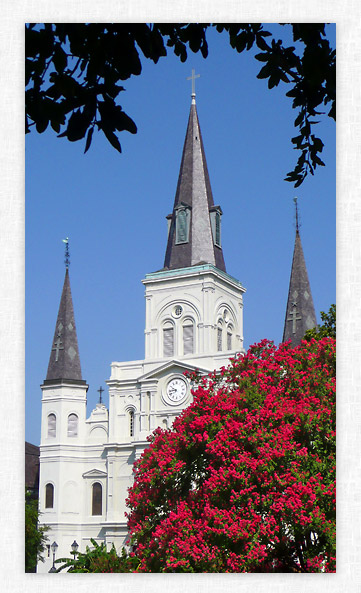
x: 74, y: 75
x: 35, y: 536
x: 245, y: 479
x: 328, y: 327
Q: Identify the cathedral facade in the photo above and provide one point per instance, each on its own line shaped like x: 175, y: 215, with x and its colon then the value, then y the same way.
x: 194, y: 320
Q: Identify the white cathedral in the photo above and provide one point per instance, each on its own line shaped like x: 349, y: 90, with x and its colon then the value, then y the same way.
x: 194, y: 320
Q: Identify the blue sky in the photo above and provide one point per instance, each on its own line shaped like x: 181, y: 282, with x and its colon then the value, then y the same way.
x: 113, y: 208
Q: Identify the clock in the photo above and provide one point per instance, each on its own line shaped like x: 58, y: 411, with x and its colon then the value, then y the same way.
x: 176, y: 390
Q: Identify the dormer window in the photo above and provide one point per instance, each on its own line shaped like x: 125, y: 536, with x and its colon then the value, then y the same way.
x: 182, y: 223
x: 215, y: 215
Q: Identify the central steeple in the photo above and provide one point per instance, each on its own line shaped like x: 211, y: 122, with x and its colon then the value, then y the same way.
x: 194, y: 235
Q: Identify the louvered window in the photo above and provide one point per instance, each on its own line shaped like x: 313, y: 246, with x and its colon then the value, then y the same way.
x: 49, y: 496
x: 72, y: 425
x: 218, y: 229
x: 52, y: 425
x: 168, y: 341
x: 219, y: 339
x: 97, y: 496
x: 215, y: 215
x: 188, y: 338
x: 182, y: 224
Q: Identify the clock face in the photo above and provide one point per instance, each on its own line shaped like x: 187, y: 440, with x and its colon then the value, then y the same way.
x: 176, y: 390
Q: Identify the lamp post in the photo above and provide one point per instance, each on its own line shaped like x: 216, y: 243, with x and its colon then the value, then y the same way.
x: 74, y: 548
x: 54, y: 547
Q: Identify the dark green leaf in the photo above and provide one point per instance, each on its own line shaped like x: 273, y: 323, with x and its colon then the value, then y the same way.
x: 112, y: 139
x: 77, y: 126
x: 265, y: 72
x: 60, y: 59
x: 89, y: 139
x: 264, y: 57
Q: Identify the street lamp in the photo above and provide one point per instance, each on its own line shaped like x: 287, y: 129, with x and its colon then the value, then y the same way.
x: 74, y: 548
x: 54, y: 547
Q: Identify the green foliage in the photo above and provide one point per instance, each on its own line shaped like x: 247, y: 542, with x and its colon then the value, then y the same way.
x: 35, y: 537
x: 74, y: 74
x: 328, y: 328
x: 98, y: 559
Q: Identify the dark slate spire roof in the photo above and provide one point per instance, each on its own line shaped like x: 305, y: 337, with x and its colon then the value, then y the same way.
x: 194, y: 191
x: 64, y: 362
x: 300, y: 312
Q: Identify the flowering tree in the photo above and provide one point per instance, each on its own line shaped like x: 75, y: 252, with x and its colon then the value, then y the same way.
x: 245, y: 479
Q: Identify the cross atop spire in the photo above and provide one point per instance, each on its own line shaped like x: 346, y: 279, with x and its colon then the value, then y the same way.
x: 67, y: 254
x: 193, y: 78
x: 297, y: 223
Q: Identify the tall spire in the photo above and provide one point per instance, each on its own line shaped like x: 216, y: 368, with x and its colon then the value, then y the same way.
x: 300, y: 311
x: 64, y: 362
x: 195, y: 224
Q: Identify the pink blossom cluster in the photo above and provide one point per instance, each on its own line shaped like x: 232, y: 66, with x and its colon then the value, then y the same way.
x: 245, y: 479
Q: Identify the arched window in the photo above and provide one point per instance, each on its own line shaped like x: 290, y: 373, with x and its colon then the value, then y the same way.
x: 131, y: 423
x: 188, y: 337
x: 229, y: 337
x: 168, y: 339
x: 52, y: 425
x: 72, y: 425
x: 97, y: 499
x: 219, y: 336
x: 49, y: 496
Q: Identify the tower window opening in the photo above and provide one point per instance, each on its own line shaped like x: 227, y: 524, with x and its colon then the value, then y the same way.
x: 72, y: 425
x: 188, y: 337
x: 49, y: 496
x: 52, y: 426
x: 97, y: 499
x: 168, y: 340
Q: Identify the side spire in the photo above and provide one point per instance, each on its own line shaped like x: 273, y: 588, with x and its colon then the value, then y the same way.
x: 64, y: 362
x: 300, y: 311
x: 194, y: 235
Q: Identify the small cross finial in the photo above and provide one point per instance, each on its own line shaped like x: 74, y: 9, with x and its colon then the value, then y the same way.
x: 192, y: 78
x: 67, y: 254
x: 297, y: 223
x: 100, y: 391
